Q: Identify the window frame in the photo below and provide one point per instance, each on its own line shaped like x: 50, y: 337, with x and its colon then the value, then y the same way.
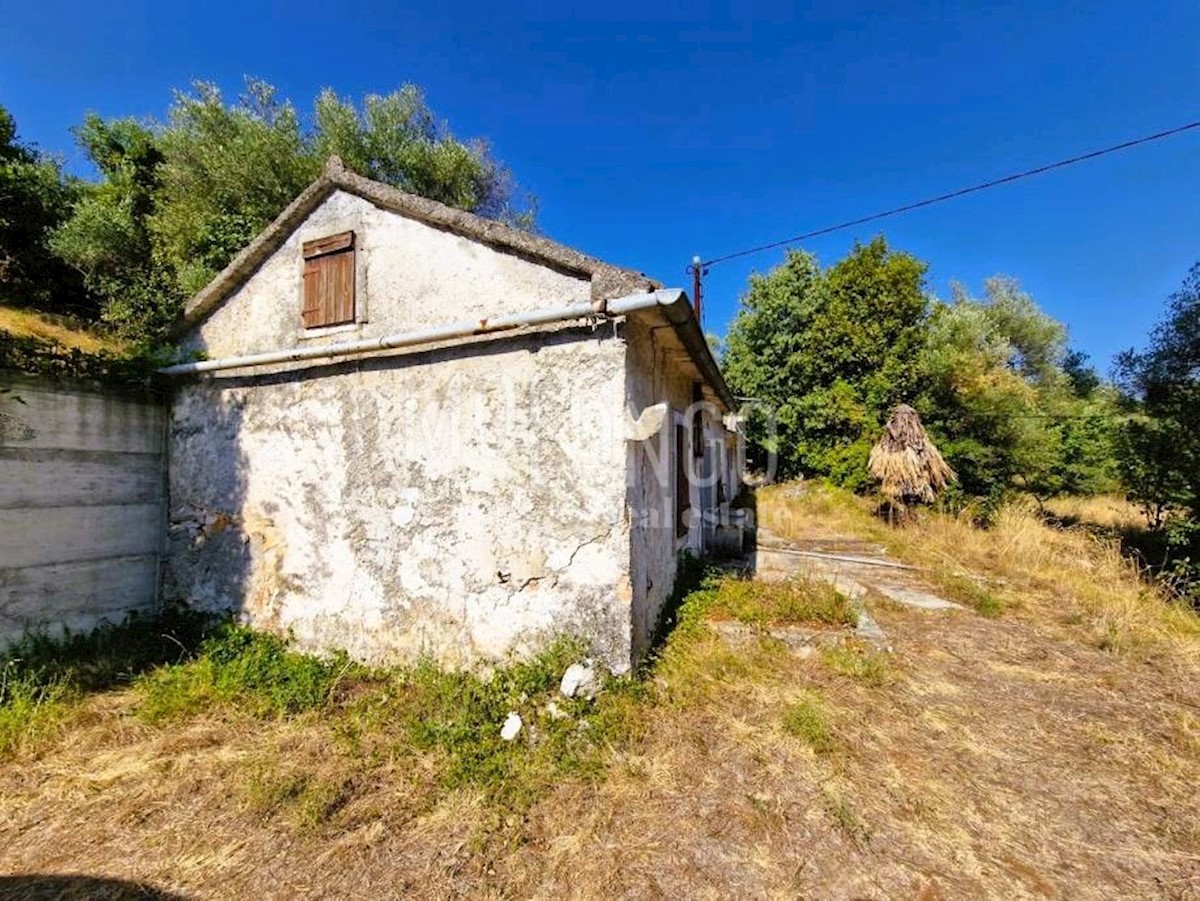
x: 328, y: 229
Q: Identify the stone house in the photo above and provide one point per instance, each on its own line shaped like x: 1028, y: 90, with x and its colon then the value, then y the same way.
x: 410, y: 430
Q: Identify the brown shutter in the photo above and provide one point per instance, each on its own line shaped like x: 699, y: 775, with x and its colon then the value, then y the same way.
x: 328, y: 281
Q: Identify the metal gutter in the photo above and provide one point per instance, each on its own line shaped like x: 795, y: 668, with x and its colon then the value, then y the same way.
x: 674, y: 306
x: 416, y: 338
x: 671, y: 303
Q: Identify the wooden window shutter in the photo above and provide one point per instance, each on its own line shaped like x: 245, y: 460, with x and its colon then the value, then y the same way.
x: 328, y: 281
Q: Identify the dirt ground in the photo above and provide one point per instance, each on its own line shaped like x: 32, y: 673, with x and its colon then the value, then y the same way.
x: 1003, y: 757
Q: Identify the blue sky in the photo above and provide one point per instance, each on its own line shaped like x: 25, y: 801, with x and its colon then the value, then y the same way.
x: 652, y: 131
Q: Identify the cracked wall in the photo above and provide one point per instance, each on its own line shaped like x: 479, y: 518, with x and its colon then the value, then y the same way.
x: 465, y: 502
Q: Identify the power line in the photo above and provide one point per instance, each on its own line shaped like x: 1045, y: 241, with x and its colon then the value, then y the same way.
x: 953, y: 194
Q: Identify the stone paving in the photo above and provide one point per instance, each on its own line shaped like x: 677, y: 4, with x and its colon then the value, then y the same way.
x: 857, y: 568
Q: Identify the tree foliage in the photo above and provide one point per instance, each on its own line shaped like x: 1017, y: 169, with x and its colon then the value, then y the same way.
x: 832, y: 351
x: 177, y: 200
x: 108, y: 238
x: 997, y: 391
x: 35, y: 198
x: 801, y: 346
x: 1160, y: 445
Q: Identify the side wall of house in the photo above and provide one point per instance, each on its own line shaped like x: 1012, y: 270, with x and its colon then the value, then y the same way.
x: 654, y: 376
x: 464, y: 502
x: 81, y: 504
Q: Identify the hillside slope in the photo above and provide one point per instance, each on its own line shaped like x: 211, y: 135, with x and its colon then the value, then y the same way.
x: 54, y: 331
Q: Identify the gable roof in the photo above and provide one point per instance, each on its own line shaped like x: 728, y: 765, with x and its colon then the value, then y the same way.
x: 608, y: 281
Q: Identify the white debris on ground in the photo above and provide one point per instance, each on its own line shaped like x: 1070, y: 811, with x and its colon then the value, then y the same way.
x: 511, y: 727
x: 581, y: 680
x: 555, y: 712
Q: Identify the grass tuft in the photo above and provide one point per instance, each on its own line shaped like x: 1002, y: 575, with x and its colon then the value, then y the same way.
x: 970, y: 592
x: 856, y: 662
x: 796, y: 601
x: 30, y: 706
x: 311, y: 799
x: 253, y: 671
x: 806, y: 720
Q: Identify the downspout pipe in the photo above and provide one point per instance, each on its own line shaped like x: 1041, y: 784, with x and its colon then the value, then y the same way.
x: 419, y: 337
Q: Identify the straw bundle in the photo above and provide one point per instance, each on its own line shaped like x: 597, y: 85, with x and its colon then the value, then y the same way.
x: 905, y: 462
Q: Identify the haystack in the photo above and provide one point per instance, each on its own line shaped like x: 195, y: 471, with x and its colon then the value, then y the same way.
x: 905, y: 462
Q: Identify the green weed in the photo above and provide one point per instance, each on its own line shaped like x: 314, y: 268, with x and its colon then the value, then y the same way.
x: 310, y: 799
x: 29, y: 705
x: 856, y: 662
x: 41, y: 675
x: 970, y: 592
x: 457, y: 716
x: 806, y: 720
x: 791, y: 602
x: 254, y: 672
x: 374, y: 715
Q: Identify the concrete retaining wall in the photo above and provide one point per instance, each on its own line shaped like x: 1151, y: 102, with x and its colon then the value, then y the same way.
x: 81, y: 504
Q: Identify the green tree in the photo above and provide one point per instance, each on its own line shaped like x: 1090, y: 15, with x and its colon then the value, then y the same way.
x: 226, y: 172
x: 1160, y: 447
x: 397, y: 139
x: 107, y: 237
x: 830, y: 352
x: 177, y: 200
x: 998, y: 394
x: 35, y: 198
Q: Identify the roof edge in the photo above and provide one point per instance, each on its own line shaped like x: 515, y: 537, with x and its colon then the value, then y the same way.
x: 607, y: 281
x: 677, y: 309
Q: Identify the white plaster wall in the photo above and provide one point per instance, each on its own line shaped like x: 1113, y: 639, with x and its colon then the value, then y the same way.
x: 654, y: 376
x: 465, y: 503
x: 410, y: 275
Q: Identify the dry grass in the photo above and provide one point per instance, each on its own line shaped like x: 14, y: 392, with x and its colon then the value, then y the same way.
x: 795, y: 601
x: 984, y: 757
x: 56, y: 330
x: 1069, y: 577
x: 1109, y: 511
